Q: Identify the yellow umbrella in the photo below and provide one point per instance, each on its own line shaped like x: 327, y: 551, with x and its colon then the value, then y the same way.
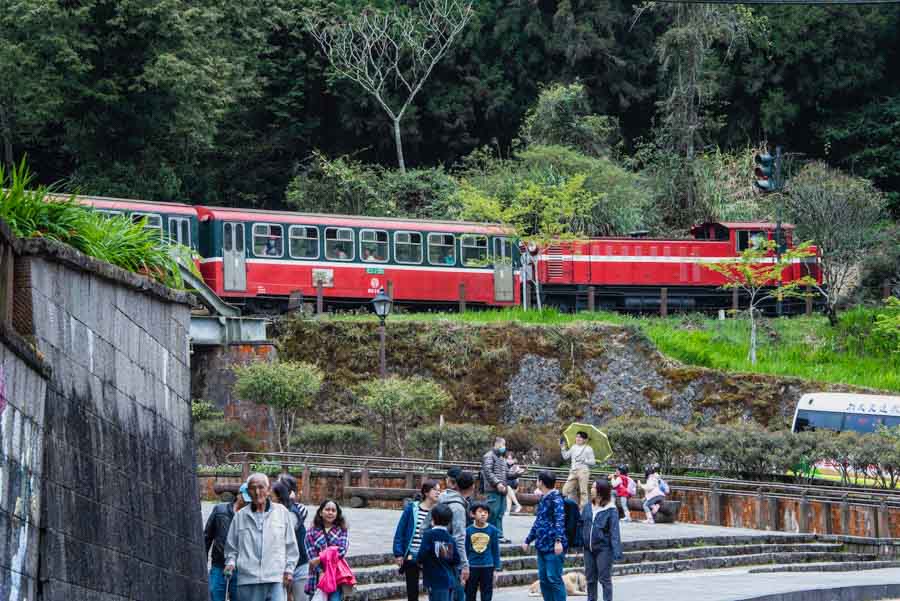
x: 597, y: 440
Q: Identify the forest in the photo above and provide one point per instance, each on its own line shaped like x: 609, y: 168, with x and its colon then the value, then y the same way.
x: 649, y: 112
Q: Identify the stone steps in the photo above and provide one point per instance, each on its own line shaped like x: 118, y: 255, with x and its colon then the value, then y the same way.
x: 378, y: 579
x: 828, y: 567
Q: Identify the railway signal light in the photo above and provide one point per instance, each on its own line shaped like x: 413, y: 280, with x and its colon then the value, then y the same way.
x: 765, y: 179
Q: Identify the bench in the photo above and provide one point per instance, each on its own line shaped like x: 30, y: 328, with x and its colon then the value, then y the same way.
x: 667, y: 514
x: 361, y: 495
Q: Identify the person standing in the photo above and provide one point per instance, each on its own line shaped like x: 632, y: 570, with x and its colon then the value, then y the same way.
x: 215, y: 534
x: 414, y: 521
x: 548, y: 533
x: 494, y: 472
x: 513, y: 472
x: 601, y: 540
x: 582, y: 457
x: 460, y: 486
x: 329, y: 530
x: 261, y: 545
x: 483, y: 551
x: 438, y: 556
x: 301, y: 572
x: 623, y: 489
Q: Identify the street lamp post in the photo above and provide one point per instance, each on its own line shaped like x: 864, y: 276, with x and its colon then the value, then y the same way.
x: 382, y: 304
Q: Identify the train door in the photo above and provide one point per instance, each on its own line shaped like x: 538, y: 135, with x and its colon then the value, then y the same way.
x: 234, y: 257
x: 504, y: 287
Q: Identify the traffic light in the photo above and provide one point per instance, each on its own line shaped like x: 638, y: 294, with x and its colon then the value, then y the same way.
x: 765, y: 173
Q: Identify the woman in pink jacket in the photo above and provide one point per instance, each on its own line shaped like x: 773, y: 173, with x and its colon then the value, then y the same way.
x: 653, y: 495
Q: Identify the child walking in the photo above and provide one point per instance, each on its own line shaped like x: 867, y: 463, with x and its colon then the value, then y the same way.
x: 437, y: 555
x: 623, y: 488
x: 483, y: 551
x: 601, y: 540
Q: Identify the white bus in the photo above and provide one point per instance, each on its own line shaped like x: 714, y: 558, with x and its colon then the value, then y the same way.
x: 844, y: 411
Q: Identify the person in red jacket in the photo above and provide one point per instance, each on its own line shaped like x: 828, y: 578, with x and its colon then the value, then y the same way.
x: 624, y: 488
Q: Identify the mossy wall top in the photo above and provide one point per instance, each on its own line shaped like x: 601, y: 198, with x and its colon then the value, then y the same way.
x: 513, y: 374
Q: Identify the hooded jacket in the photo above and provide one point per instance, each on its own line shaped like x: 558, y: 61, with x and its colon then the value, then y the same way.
x: 600, y: 529
x: 460, y: 508
x: 263, y: 547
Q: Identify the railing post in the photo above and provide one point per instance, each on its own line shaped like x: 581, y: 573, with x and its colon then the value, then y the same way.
x: 828, y: 519
x: 772, y: 503
x: 663, y: 302
x: 364, y: 478
x: 590, y: 298
x: 803, y: 514
x: 306, y: 486
x: 760, y: 509
x: 715, y: 506
x: 245, y: 469
x: 410, y: 480
x: 346, y: 480
x: 462, y: 297
x: 845, y: 516
x: 884, y: 520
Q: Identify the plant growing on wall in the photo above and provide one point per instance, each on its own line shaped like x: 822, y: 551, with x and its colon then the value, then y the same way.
x: 400, y: 403
x: 757, y: 273
x: 287, y: 388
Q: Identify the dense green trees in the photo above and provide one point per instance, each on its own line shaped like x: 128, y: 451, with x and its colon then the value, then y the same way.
x: 224, y: 102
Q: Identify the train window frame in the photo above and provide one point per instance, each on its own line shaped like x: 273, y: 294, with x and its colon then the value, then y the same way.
x: 352, y: 242
x: 741, y: 246
x: 823, y: 415
x: 451, y: 246
x: 180, y: 221
x: 420, y: 244
x: 264, y: 254
x: 478, y: 262
x: 109, y: 213
x: 387, y: 245
x: 150, y: 217
x: 306, y: 229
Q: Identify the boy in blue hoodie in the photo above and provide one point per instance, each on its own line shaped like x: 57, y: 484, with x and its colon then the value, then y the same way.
x: 483, y: 551
x: 437, y: 555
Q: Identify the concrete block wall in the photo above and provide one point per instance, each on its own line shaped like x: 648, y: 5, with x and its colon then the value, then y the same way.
x: 120, y: 513
x: 23, y: 390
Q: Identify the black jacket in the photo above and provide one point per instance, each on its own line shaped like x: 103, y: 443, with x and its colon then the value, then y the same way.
x: 600, y: 529
x: 216, y: 531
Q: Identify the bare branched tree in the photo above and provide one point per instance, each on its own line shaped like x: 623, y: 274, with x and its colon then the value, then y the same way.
x: 841, y: 215
x: 390, y: 54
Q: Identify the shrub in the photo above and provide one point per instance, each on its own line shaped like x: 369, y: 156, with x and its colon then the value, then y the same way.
x: 333, y: 438
x: 743, y: 448
x: 533, y: 444
x: 462, y: 442
x: 216, y: 437
x: 642, y: 441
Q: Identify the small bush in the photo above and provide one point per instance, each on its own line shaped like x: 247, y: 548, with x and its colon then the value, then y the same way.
x: 533, y: 444
x: 216, y: 437
x: 642, y: 441
x: 333, y: 438
x: 462, y: 442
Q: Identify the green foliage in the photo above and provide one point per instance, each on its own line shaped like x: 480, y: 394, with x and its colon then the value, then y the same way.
x: 887, y: 326
x: 743, y: 447
x: 30, y: 212
x: 400, y: 403
x: 333, y: 438
x: 203, y: 410
x: 288, y: 388
x: 215, y: 437
x: 642, y: 441
x: 462, y: 442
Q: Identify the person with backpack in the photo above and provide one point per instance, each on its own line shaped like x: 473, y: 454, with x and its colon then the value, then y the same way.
x: 655, y: 490
x: 460, y: 487
x: 548, y: 533
x: 414, y: 521
x: 601, y: 540
x: 623, y: 488
x: 438, y: 556
x: 494, y: 472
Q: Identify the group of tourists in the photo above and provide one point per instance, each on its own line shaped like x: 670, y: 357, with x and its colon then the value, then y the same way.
x: 263, y: 551
x: 446, y: 540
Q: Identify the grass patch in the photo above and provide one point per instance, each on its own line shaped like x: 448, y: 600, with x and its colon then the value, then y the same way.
x: 805, y: 347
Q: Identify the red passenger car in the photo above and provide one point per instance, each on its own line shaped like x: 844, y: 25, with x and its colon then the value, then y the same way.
x: 259, y: 258
x: 630, y: 273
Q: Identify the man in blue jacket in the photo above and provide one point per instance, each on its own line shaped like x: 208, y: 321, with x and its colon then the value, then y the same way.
x: 549, y: 536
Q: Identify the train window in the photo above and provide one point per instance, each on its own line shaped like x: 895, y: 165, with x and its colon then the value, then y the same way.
x: 153, y: 223
x: 180, y: 230
x: 373, y: 245
x: 268, y: 240
x: 339, y: 243
x: 408, y: 247
x: 303, y: 242
x: 474, y: 250
x: 109, y: 213
x: 442, y: 249
x: 818, y: 420
x: 227, y: 236
x: 861, y: 423
x: 747, y: 239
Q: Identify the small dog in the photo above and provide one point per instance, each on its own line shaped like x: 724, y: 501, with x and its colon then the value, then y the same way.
x: 576, y: 585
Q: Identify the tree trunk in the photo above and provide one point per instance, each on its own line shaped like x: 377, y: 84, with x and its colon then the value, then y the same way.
x: 7, y: 138
x: 831, y: 313
x: 398, y: 142
x: 752, y: 354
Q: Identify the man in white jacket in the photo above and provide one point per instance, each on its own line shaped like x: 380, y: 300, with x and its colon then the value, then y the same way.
x: 261, y: 545
x: 582, y: 456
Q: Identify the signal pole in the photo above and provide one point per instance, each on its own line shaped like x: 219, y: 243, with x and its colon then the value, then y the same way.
x: 779, y: 186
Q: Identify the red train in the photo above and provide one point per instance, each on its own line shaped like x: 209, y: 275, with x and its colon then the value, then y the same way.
x: 257, y: 259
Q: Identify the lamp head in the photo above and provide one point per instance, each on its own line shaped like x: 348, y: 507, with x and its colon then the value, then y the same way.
x: 382, y: 304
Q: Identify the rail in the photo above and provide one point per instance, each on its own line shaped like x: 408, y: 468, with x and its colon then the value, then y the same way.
x: 408, y: 465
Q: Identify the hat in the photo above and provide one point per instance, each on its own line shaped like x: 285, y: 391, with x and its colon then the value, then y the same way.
x: 244, y: 493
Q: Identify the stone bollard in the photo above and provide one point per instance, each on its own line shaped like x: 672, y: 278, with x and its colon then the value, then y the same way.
x: 803, y: 514
x: 845, y: 516
x: 715, y: 506
x: 884, y: 520
x: 760, y: 509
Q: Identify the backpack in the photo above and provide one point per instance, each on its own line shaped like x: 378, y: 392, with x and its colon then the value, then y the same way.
x: 573, y: 523
x: 469, y: 519
x: 663, y: 486
x: 631, y: 486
